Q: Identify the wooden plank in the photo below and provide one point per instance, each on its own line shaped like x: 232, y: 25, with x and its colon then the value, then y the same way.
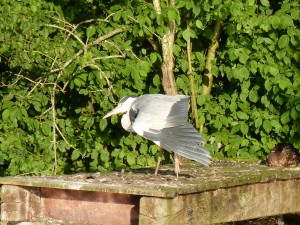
x: 223, y: 205
x: 192, y: 179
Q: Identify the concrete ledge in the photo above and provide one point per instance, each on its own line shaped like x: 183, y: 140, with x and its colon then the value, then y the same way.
x: 200, y: 195
x: 223, y: 205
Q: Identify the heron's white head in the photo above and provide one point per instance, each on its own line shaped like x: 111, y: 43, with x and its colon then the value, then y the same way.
x: 123, y: 106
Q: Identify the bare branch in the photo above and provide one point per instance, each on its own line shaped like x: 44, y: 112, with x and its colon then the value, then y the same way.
x: 34, y: 87
x: 102, y: 74
x: 135, y: 20
x: 69, y: 32
x: 108, y: 57
x: 61, y: 134
x: 106, y: 36
x: 192, y: 82
x: 157, y: 6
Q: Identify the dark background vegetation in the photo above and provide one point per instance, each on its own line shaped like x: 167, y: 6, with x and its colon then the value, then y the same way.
x: 64, y: 64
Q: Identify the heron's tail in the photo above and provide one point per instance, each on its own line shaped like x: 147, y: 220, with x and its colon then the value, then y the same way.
x: 184, y: 140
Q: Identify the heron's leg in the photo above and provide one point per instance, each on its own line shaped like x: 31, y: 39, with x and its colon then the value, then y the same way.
x: 161, y: 150
x: 177, y: 164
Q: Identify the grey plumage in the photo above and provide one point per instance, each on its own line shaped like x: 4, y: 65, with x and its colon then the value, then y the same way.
x: 163, y: 119
x: 183, y: 140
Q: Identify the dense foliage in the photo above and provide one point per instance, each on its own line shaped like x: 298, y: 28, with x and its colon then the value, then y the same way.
x: 64, y: 64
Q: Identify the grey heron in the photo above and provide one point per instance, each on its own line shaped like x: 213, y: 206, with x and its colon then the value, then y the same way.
x: 163, y: 119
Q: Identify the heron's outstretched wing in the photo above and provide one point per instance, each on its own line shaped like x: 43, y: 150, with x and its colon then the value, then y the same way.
x: 157, y: 112
x: 163, y: 120
x: 183, y: 140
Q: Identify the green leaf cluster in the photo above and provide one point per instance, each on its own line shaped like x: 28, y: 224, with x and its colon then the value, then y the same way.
x: 64, y: 64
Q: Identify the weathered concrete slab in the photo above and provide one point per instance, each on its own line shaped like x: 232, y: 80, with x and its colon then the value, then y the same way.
x: 82, y: 207
x: 218, y: 194
x: 193, y: 179
x: 21, y: 203
x: 223, y: 205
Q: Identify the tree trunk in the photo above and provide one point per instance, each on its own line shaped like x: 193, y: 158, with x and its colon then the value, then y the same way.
x: 168, y: 79
x: 211, y: 55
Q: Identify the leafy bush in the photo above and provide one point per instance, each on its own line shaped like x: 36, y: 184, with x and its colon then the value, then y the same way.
x: 65, y: 64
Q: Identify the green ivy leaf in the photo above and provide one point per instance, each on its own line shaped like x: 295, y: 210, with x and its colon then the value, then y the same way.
x: 233, y: 106
x: 242, y: 115
x: 115, y: 152
x: 265, y: 3
x: 33, y: 8
x: 244, y: 72
x: 284, y: 83
x: 90, y: 123
x: 156, y: 80
x: 244, y: 128
x: 180, y: 82
x: 283, y: 41
x: 243, y: 57
x: 171, y: 14
x: 143, y: 149
x: 294, y: 113
x: 267, y: 125
x: 75, y: 155
x: 153, y: 57
x: 188, y: 33
x: 131, y: 158
x: 103, y: 124
x: 5, y: 114
x: 268, y: 85
x: 253, y: 96
x: 90, y: 31
x: 199, y: 24
x: 118, y: 15
x: 258, y: 122
x: 285, y: 117
x: 46, y: 129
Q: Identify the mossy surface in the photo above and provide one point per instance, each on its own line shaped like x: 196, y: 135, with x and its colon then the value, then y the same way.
x: 193, y: 178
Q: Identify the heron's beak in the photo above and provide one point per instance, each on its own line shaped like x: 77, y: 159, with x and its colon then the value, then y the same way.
x: 112, y: 112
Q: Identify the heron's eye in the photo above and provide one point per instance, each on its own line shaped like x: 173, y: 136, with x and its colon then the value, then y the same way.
x: 133, y: 115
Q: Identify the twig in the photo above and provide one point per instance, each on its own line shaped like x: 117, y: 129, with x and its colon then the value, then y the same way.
x: 114, y: 45
x: 34, y: 87
x: 47, y: 110
x: 54, y: 144
x: 108, y: 57
x: 101, y: 73
x: 19, y: 77
x: 192, y: 82
x: 61, y: 134
x: 135, y: 20
x: 61, y: 69
x: 107, y: 36
x: 69, y: 32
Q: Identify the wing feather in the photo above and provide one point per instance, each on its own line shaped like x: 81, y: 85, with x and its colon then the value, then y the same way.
x: 185, y: 142
x: 157, y: 111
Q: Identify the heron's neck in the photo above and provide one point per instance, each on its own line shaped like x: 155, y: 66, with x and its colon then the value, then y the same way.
x: 126, y: 124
